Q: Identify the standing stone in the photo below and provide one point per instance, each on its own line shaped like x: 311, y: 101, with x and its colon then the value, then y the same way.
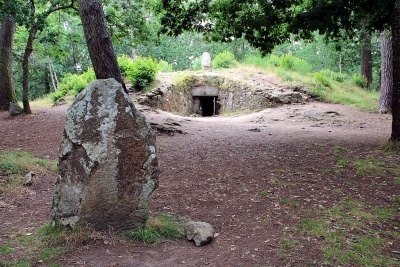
x: 205, y: 61
x: 107, y: 165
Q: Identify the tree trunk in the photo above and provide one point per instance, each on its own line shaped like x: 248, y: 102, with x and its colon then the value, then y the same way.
x: 385, y: 100
x: 7, y: 93
x: 25, y: 70
x: 98, y: 39
x: 47, y: 88
x: 52, y: 75
x: 366, y: 59
x: 132, y: 46
x: 395, y: 136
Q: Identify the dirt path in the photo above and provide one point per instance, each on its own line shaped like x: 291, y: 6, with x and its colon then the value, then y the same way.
x: 215, y: 173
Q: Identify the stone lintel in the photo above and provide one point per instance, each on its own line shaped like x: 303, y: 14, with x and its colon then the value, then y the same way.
x: 205, y: 91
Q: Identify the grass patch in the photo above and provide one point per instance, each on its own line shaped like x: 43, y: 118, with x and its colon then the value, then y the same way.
x: 284, y: 201
x: 354, y: 234
x: 340, y: 148
x: 390, y: 146
x: 7, y: 249
x: 15, y: 164
x: 342, y: 162
x: 44, y: 245
x: 288, y: 244
x: 275, y: 181
x: 45, y: 102
x: 157, y: 229
x: 325, y: 85
x: 262, y: 193
x: 370, y: 166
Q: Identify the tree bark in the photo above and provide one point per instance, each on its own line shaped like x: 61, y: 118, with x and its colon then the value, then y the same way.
x: 132, y: 46
x: 7, y: 92
x: 29, y: 47
x: 25, y: 70
x: 385, y: 100
x: 53, y: 75
x: 366, y: 59
x: 98, y: 39
x: 47, y: 88
x: 395, y: 136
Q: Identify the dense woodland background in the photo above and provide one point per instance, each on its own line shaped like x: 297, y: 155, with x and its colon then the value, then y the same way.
x: 60, y: 48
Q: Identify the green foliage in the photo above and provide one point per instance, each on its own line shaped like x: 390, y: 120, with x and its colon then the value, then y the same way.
x: 290, y: 62
x: 15, y: 164
x: 347, y: 236
x: 274, y: 60
x: 157, y: 229
x: 182, y: 51
x: 334, y: 75
x: 224, y: 60
x: 142, y: 72
x: 6, y: 249
x: 262, y: 62
x: 286, y: 62
x: 124, y: 63
x: 325, y: 85
x: 73, y: 84
x: 255, y: 60
x: 196, y: 65
x: 57, y: 95
x: 45, y: 243
x: 322, y: 79
x: 370, y: 166
x: 289, y: 203
x: 262, y: 193
x: 164, y: 66
x: 359, y: 80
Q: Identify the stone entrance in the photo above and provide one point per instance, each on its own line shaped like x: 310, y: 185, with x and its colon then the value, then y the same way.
x: 205, y: 100
x: 209, y: 95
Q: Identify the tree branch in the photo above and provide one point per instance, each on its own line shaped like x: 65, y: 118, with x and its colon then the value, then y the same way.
x: 54, y: 7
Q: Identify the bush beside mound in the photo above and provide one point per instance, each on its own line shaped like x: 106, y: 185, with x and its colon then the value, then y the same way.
x: 224, y: 60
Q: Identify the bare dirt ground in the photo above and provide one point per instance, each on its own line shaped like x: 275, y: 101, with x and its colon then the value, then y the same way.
x: 232, y: 172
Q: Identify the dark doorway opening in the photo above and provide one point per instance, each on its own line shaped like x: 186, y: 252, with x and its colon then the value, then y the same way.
x: 206, y: 106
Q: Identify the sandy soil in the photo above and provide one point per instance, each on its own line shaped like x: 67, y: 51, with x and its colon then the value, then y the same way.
x: 215, y: 173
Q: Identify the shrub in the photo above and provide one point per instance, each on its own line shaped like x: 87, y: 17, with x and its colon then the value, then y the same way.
x: 78, y: 85
x: 164, y: 66
x: 89, y: 75
x: 316, y: 92
x: 196, y: 65
x: 322, y: 79
x: 256, y: 59
x: 359, y: 80
x: 73, y: 83
x: 124, y: 63
x: 291, y: 62
x: 273, y: 61
x: 224, y: 60
x: 142, y: 72
x: 287, y: 61
x: 57, y: 95
x: 285, y: 75
x: 339, y: 77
